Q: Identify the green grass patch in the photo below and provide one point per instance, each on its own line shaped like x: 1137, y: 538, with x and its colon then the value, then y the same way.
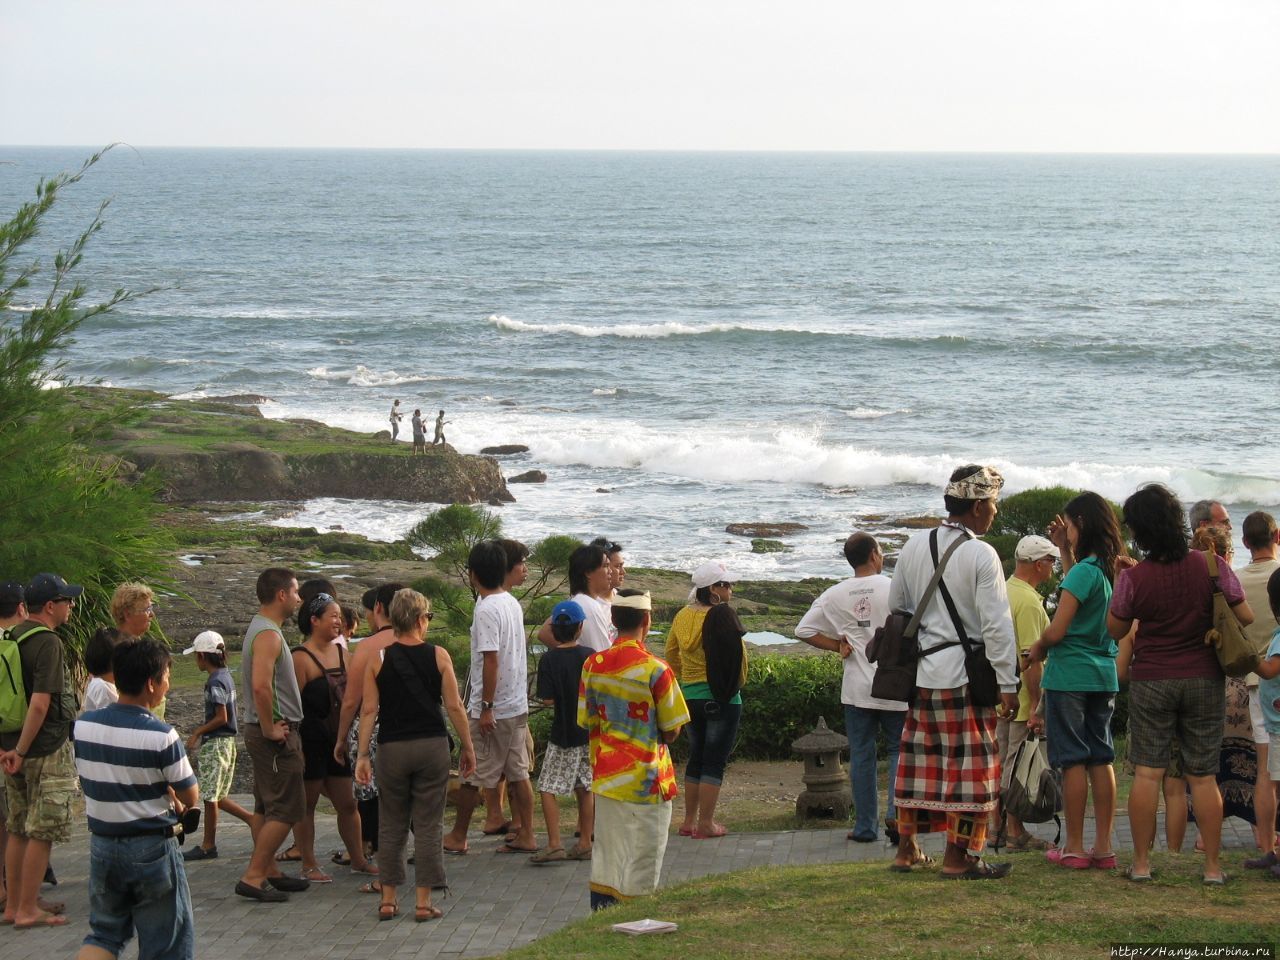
x: 862, y: 910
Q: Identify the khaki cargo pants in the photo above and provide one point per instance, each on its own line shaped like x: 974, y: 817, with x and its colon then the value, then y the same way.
x: 40, y: 796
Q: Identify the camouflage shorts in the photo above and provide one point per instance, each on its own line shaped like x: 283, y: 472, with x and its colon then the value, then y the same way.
x: 41, y: 795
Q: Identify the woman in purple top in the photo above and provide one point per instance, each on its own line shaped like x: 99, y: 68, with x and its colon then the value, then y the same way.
x: 1175, y: 684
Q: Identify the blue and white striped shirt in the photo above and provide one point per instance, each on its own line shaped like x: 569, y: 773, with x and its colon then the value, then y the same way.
x: 127, y: 761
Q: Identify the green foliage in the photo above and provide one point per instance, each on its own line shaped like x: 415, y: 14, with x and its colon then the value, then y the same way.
x: 1030, y: 511
x: 452, y: 531
x: 449, y: 600
x: 65, y: 510
x: 550, y: 557
x: 783, y: 699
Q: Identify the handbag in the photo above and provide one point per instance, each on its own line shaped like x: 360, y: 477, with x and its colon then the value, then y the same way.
x: 1034, y: 793
x: 984, y: 690
x: 1235, y: 653
x: 895, y: 647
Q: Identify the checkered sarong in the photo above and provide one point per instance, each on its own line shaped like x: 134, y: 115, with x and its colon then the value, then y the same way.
x: 948, y: 760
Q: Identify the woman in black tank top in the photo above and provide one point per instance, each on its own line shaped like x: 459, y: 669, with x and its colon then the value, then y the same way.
x: 321, y: 669
x: 406, y: 689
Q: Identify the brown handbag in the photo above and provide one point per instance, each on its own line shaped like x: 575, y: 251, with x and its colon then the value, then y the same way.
x: 1234, y: 651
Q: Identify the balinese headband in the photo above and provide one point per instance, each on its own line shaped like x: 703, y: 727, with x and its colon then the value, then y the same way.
x: 640, y: 601
x: 983, y: 485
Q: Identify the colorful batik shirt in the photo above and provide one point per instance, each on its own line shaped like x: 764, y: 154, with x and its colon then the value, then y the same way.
x: 627, y: 698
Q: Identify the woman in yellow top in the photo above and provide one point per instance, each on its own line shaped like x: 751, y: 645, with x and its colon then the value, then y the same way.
x: 710, y: 676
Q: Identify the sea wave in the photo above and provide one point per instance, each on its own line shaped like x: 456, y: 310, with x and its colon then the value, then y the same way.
x: 363, y: 376
x: 870, y: 413
x: 605, y: 392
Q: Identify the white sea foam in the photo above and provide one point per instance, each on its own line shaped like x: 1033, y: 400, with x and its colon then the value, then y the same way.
x: 870, y: 413
x: 915, y: 332
x: 605, y: 392
x: 362, y: 376
x: 644, y: 331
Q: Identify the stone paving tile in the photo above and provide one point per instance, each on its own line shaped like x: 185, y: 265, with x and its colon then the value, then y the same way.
x: 495, y: 901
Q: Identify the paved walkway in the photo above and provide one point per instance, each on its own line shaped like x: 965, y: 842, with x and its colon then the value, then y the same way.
x: 496, y: 902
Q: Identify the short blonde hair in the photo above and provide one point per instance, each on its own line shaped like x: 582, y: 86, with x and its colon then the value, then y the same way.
x: 130, y: 598
x: 408, y: 606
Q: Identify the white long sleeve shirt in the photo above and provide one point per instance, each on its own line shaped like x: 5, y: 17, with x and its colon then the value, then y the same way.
x: 975, y: 580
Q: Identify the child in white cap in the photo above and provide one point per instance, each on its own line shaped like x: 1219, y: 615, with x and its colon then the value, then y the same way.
x: 216, y: 739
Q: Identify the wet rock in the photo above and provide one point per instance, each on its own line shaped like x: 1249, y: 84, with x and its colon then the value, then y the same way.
x: 503, y: 449
x: 764, y: 529
x: 762, y: 545
x: 529, y: 476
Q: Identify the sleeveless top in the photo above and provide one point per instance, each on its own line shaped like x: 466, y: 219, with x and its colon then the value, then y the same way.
x: 409, y: 694
x: 286, y: 702
x: 322, y: 698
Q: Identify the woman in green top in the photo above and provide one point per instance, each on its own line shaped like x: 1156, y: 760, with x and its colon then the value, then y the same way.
x: 1079, y: 680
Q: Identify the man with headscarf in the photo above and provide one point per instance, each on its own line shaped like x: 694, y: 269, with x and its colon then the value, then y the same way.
x: 949, y: 765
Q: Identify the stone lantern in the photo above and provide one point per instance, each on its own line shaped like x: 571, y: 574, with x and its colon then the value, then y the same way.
x: 826, y: 792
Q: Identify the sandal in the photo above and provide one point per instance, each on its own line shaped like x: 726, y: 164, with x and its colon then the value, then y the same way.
x: 388, y: 911
x: 316, y: 875
x: 579, y: 853
x: 717, y: 830
x: 292, y: 855
x: 370, y: 886
x: 341, y: 858
x: 423, y: 914
x: 1133, y: 877
x: 45, y: 920
x: 1026, y: 841
x: 924, y: 860
x: 500, y: 828
x: 979, y: 869
x: 549, y: 855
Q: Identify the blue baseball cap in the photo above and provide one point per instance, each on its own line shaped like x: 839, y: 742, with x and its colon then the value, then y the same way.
x: 567, y: 611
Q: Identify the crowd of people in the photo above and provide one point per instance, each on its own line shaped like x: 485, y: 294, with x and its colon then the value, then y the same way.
x: 371, y: 725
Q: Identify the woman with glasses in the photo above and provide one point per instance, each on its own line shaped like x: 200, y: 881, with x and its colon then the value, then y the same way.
x: 405, y: 687
x: 713, y: 726
x: 1079, y: 682
x: 133, y: 609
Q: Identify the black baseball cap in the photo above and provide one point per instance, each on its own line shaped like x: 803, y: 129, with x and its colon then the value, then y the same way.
x: 45, y: 587
x: 11, y: 591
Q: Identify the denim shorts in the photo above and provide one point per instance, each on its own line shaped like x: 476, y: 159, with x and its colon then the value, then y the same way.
x: 1078, y: 727
x: 139, y: 883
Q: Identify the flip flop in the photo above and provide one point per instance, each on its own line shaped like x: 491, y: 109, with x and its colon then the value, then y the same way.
x: 449, y: 851
x: 46, y: 920
x: 924, y: 860
x: 292, y: 855
x: 512, y: 848
x: 370, y: 886
x: 496, y: 830
x: 683, y: 831
x: 341, y: 858
x: 370, y: 870
x: 316, y: 875
x: 1218, y: 881
x: 49, y: 906
x: 1137, y: 877
x: 423, y: 914
x: 714, y: 833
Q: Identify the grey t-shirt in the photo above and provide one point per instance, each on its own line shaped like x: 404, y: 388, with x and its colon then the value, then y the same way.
x: 286, y: 701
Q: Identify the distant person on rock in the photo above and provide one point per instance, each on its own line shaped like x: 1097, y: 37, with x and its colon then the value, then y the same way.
x: 440, y: 422
x: 396, y: 417
x: 419, y: 433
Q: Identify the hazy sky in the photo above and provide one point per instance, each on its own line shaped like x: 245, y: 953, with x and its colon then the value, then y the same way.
x: 1118, y: 75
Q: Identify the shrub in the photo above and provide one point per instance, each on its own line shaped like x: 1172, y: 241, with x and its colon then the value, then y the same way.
x: 783, y: 699
x: 1030, y: 511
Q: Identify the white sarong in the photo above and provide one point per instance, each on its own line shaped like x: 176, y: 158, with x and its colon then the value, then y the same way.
x: 631, y: 839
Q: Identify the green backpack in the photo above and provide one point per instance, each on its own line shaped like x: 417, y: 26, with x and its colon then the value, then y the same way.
x: 13, y: 691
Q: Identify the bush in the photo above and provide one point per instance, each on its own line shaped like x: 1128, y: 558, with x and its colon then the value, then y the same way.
x: 1030, y: 511
x: 782, y: 701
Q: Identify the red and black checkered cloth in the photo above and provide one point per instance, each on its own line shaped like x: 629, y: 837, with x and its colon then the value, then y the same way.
x: 949, y: 761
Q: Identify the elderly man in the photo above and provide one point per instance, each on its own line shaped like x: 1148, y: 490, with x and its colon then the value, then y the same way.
x: 1034, y: 558
x: 1208, y: 513
x: 948, y: 766
x: 843, y: 620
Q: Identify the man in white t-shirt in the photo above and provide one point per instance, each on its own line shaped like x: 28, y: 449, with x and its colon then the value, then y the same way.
x: 498, y: 706
x: 590, y: 583
x: 844, y: 619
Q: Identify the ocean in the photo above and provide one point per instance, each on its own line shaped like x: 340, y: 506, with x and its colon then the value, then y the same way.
x: 709, y: 338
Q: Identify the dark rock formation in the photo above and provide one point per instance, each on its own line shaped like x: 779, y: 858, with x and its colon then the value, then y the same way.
x: 530, y: 476
x: 503, y: 449
x: 764, y: 529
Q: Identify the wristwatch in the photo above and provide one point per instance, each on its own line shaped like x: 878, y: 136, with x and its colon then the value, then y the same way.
x: 486, y: 705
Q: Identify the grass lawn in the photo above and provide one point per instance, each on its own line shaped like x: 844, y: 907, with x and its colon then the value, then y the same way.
x: 862, y: 910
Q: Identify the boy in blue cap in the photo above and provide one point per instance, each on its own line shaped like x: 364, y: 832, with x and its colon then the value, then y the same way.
x: 566, y: 767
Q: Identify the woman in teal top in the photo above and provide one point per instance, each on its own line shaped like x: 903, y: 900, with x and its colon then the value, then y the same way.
x: 1079, y: 680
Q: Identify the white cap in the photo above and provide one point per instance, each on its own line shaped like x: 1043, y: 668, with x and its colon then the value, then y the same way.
x: 210, y: 641
x: 1033, y: 548
x: 713, y: 571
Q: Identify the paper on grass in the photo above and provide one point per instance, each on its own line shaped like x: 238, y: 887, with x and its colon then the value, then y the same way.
x: 637, y: 927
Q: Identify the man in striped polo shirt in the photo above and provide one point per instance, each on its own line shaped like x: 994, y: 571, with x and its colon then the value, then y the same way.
x: 128, y: 760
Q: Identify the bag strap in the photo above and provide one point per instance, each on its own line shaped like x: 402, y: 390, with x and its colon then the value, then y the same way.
x: 934, y: 582
x: 951, y: 605
x: 408, y: 672
x: 1211, y: 559
x: 314, y: 658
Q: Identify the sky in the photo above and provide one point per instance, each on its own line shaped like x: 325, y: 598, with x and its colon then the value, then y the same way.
x: 1198, y: 76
